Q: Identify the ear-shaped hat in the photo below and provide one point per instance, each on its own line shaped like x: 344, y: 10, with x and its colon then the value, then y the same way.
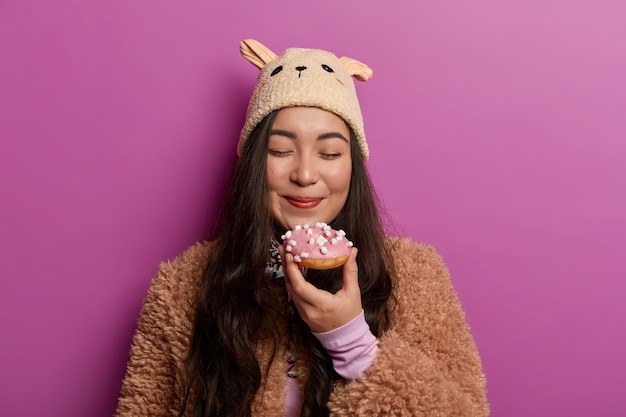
x: 304, y: 77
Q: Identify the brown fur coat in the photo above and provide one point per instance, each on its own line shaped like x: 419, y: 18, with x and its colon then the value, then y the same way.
x: 427, y: 365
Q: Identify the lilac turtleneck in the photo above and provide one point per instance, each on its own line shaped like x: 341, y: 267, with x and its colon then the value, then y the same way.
x: 352, y: 348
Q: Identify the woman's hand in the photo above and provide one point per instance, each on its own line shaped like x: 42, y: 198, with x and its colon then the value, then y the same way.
x: 322, y: 310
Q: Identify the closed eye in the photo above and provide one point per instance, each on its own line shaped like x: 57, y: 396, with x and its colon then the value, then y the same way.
x: 275, y: 152
x: 330, y: 155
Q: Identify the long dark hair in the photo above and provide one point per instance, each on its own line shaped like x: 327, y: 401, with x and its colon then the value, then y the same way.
x: 232, y: 309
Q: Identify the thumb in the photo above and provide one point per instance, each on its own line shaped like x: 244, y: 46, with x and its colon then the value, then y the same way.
x: 351, y: 272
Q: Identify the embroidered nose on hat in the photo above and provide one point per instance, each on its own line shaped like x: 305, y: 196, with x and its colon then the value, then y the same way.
x: 300, y: 69
x: 304, y: 77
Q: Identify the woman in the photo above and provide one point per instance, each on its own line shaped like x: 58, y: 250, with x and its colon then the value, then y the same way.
x: 236, y: 328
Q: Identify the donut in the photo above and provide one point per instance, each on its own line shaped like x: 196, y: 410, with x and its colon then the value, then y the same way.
x: 317, y: 247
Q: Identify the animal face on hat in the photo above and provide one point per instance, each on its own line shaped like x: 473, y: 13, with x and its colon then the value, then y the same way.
x: 304, y: 77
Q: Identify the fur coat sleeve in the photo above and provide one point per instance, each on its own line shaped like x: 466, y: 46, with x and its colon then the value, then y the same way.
x: 155, y: 375
x: 428, y: 364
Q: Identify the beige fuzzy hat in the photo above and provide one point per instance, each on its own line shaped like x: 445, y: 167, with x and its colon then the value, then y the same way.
x: 304, y: 77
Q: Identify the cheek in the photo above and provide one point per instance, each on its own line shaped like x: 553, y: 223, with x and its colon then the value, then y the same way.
x: 340, y: 178
x: 273, y: 176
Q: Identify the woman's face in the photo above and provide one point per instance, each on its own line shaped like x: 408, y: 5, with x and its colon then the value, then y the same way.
x: 308, y: 166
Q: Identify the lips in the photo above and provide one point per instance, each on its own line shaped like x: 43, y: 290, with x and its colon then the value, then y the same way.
x: 303, y: 202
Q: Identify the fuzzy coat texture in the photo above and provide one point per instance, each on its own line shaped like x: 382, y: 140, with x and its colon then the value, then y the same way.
x: 427, y: 365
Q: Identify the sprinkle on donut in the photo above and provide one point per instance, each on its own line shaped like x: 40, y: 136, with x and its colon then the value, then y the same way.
x: 317, y: 247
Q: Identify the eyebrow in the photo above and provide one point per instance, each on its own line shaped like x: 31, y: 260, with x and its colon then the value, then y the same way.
x: 291, y: 135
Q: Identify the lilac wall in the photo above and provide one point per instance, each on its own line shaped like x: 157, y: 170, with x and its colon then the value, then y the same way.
x: 497, y: 133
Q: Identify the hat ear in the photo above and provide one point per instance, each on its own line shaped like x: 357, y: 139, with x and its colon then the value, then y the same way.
x: 257, y: 53
x: 357, y: 69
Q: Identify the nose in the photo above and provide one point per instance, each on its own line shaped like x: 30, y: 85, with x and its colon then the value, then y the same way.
x: 300, y: 69
x: 305, y: 171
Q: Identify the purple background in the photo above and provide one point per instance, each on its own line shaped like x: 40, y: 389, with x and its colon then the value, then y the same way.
x: 497, y: 131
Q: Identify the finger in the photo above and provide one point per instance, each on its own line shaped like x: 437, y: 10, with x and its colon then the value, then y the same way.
x: 287, y: 259
x: 291, y: 268
x: 300, y: 289
x: 293, y: 274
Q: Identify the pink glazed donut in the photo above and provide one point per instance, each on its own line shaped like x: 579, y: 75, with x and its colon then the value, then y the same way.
x: 317, y: 247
